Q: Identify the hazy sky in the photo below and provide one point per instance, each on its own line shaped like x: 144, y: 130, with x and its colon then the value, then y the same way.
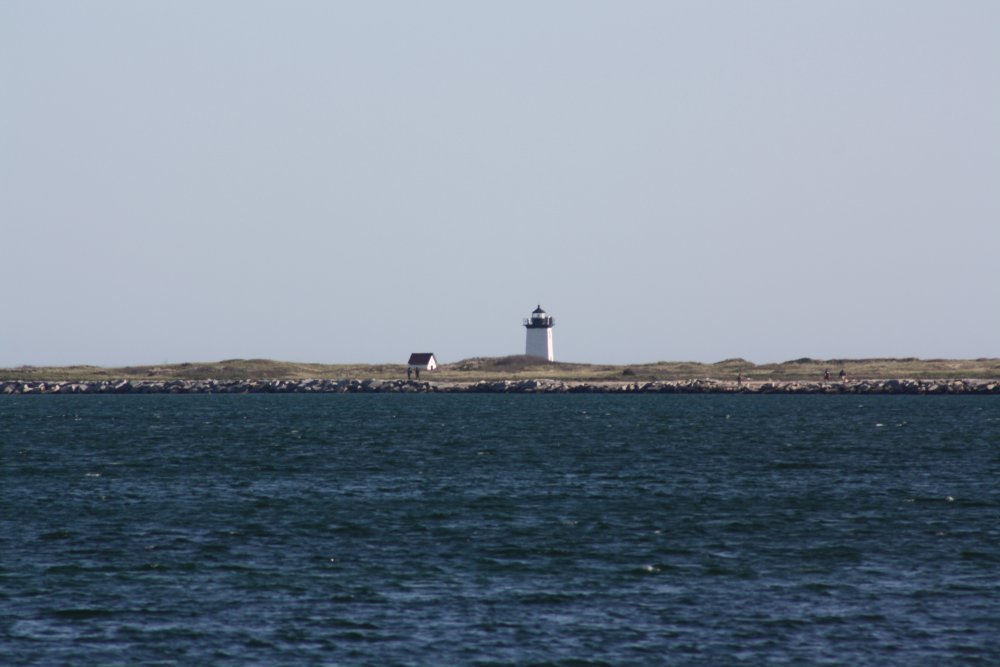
x: 352, y: 181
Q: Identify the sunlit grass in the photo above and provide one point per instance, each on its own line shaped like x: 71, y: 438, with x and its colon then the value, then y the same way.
x: 521, y: 367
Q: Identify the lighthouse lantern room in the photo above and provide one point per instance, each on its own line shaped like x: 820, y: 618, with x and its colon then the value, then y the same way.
x: 539, y: 335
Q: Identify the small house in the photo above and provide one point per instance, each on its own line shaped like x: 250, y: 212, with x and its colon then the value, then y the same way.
x: 422, y: 361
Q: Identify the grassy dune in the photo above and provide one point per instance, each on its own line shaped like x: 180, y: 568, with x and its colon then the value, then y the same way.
x: 520, y: 367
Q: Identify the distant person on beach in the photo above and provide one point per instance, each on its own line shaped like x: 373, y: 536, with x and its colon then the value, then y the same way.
x: 409, y: 373
x: 739, y: 379
x: 843, y: 375
x: 826, y: 375
x: 417, y: 371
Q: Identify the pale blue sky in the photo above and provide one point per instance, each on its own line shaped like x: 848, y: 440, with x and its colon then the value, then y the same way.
x: 350, y: 182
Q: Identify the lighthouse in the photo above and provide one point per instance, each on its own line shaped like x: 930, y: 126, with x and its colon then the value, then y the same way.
x: 539, y: 337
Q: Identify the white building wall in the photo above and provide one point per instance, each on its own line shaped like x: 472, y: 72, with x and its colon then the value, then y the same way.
x: 539, y: 343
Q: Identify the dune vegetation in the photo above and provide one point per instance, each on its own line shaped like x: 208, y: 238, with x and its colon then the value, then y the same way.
x: 522, y: 367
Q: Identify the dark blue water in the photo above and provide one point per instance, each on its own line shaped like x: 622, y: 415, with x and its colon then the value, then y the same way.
x: 495, y: 530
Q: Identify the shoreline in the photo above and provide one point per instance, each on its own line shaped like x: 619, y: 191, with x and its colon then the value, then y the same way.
x: 533, y: 386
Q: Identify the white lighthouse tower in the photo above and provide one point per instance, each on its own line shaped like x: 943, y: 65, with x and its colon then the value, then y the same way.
x: 539, y: 338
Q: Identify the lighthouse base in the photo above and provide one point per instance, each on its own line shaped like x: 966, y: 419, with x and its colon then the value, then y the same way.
x: 539, y: 343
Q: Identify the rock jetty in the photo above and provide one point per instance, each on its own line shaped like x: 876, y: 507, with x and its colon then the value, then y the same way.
x: 541, y: 386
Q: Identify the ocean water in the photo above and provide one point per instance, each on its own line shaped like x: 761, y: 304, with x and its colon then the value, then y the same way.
x: 499, y: 530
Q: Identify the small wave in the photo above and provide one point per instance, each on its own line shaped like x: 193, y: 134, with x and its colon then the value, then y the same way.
x: 833, y: 553
x: 827, y: 619
x: 740, y: 572
x: 352, y: 530
x: 66, y: 569
x: 798, y: 465
x: 349, y: 623
x: 362, y: 594
x: 818, y: 587
x: 545, y: 598
x: 567, y: 662
x: 980, y: 556
x: 56, y: 535
x: 355, y: 636
x: 931, y: 499
x: 81, y: 613
x: 652, y: 569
